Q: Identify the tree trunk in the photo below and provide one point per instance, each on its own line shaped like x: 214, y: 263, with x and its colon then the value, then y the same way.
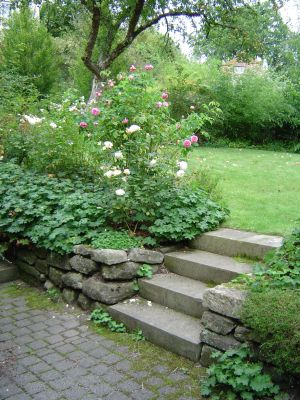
x: 96, y: 87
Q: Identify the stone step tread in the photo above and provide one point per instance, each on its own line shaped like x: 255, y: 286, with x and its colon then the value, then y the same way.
x: 245, y: 236
x: 162, y: 319
x: 177, y: 284
x: 200, y: 257
x: 5, y: 265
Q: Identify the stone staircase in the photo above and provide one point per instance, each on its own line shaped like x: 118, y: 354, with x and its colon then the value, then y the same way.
x: 169, y: 307
x: 8, y: 272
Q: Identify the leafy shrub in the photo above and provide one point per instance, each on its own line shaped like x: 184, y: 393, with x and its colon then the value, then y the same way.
x: 54, y: 213
x: 235, y: 376
x: 116, y: 240
x: 184, y: 214
x: 145, y: 271
x: 59, y: 213
x: 28, y: 49
x: 274, y: 318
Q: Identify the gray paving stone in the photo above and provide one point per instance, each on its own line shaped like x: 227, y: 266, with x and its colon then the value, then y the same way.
x: 48, y: 394
x: 143, y: 394
x: 35, y: 387
x: 61, y: 384
x: 101, y: 389
x: 116, y: 395
x: 167, y: 390
x: 113, y: 377
x: 50, y: 375
x: 75, y: 393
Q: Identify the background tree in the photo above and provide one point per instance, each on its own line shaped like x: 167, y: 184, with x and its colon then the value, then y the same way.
x: 28, y: 49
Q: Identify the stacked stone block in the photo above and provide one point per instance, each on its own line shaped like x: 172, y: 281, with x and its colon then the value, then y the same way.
x: 90, y: 277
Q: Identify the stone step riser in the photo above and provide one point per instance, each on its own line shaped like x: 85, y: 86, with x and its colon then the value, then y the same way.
x: 200, y: 272
x: 157, y: 333
x: 234, y: 243
x: 177, y: 301
x: 8, y: 273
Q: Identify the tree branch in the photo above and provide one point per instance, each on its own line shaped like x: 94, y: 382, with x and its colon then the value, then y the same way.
x: 88, y: 53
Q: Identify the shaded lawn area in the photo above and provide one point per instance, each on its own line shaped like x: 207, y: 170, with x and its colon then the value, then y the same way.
x: 260, y: 188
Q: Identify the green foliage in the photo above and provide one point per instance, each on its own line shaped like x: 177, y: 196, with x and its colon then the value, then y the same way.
x: 145, y: 271
x: 53, y: 294
x: 235, y: 376
x: 281, y: 269
x: 28, y: 49
x: 184, y: 214
x: 137, y: 335
x: 101, y: 317
x: 54, y: 213
x: 273, y: 316
x: 110, y: 239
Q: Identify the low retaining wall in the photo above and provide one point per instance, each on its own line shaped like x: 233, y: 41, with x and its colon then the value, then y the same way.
x: 221, y: 320
x: 89, y: 277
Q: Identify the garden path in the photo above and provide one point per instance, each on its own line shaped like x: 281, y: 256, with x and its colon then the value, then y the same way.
x: 51, y: 355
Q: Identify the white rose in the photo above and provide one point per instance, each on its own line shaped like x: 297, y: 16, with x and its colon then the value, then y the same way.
x: 118, y: 155
x: 117, y: 172
x: 152, y: 163
x: 53, y: 125
x: 32, y: 120
x: 120, y: 192
x: 108, y: 174
x: 107, y: 145
x: 133, y: 128
x: 180, y: 173
x: 183, y: 165
x: 126, y: 171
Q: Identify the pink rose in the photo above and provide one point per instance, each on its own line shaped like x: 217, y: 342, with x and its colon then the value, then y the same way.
x: 83, y: 124
x: 187, y: 143
x: 165, y: 104
x: 164, y: 95
x: 125, y: 121
x: 111, y: 83
x: 194, y: 139
x: 159, y: 104
x: 148, y: 67
x: 95, y: 111
x: 98, y: 94
x: 132, y: 68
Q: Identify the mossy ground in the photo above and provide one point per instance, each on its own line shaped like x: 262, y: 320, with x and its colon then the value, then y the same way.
x: 182, y: 375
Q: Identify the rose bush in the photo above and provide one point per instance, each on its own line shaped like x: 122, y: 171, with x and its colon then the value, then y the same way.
x: 124, y: 141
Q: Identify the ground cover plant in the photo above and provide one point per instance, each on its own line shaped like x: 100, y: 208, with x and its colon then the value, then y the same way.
x: 271, y: 307
x: 236, y: 375
x: 259, y: 187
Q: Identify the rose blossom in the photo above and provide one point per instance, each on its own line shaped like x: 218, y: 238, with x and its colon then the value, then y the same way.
x: 187, y: 143
x: 183, y: 165
x: 131, y: 77
x: 178, y: 126
x: 165, y: 104
x: 152, y: 163
x: 192, y: 107
x: 180, y: 173
x: 98, y: 94
x: 159, y: 104
x: 111, y: 83
x: 164, y: 95
x: 116, y: 172
x: 126, y: 171
x: 108, y: 174
x: 53, y: 125
x: 107, y: 145
x: 133, y: 128
x: 118, y: 155
x: 95, y: 111
x: 83, y: 124
x: 125, y: 121
x: 120, y: 192
x: 194, y: 139
x: 148, y: 67
x: 132, y: 68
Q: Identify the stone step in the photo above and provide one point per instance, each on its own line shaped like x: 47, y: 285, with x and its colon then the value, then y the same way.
x: 232, y: 242
x: 162, y: 326
x: 8, y: 272
x: 174, y: 291
x: 204, y: 266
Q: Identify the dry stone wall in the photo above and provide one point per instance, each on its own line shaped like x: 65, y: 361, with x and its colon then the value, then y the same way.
x: 221, y: 321
x: 88, y: 276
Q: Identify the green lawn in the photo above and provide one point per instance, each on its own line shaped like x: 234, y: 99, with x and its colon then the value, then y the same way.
x: 260, y: 188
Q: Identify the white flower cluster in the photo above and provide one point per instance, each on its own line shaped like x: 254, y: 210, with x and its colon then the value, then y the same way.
x: 116, y: 172
x: 133, y: 128
x: 31, y: 119
x: 182, y: 168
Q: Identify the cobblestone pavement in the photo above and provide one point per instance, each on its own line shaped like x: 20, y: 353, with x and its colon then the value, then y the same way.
x: 49, y: 355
